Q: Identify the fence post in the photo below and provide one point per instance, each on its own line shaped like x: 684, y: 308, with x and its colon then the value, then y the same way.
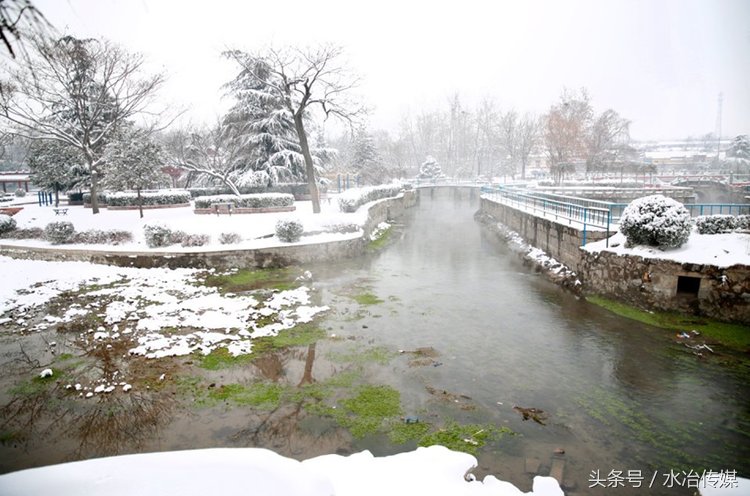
x: 609, y: 220
x: 584, y: 225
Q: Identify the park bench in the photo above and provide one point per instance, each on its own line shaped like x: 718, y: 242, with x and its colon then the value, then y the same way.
x: 60, y: 211
x: 220, y: 208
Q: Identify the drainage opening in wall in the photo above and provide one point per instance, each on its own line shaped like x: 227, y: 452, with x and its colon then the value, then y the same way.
x: 688, y: 286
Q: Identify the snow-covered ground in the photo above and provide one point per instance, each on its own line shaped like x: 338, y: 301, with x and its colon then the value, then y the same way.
x: 256, y: 230
x: 721, y: 250
x: 434, y: 471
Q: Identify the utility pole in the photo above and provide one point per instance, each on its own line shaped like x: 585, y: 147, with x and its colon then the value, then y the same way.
x: 718, y: 126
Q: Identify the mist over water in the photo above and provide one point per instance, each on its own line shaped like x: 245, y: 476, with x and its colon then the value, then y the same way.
x: 619, y: 395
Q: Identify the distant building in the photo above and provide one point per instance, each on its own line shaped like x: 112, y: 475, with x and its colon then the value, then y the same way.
x: 11, y: 181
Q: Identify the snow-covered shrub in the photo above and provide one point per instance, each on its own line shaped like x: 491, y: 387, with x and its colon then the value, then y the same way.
x: 430, y: 169
x: 7, y: 223
x: 342, y: 228
x: 99, y: 237
x: 59, y: 232
x: 715, y: 224
x: 102, y: 197
x: 195, y: 239
x: 351, y: 200
x: 265, y: 200
x: 743, y: 223
x: 157, y: 235
x: 30, y: 233
x: 230, y: 238
x: 20, y: 193
x: 130, y: 199
x: 656, y: 221
x: 289, y: 231
x: 177, y: 237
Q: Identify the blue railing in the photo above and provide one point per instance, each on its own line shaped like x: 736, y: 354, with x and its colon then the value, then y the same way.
x: 588, y: 216
x: 590, y: 213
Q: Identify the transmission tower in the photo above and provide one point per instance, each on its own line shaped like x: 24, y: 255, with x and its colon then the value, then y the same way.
x: 718, y: 125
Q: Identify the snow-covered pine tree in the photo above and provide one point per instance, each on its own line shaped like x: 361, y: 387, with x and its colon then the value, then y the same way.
x: 365, y: 159
x: 738, y: 154
x: 134, y: 162
x: 56, y: 166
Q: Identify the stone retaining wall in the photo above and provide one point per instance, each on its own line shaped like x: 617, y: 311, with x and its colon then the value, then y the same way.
x: 722, y: 293
x: 559, y: 240
x: 277, y: 256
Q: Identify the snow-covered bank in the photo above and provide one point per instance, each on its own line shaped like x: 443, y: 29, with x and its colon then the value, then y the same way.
x: 721, y: 250
x: 255, y: 230
x: 436, y: 471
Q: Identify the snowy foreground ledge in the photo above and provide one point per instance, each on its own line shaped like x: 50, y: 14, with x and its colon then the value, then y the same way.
x: 435, y: 471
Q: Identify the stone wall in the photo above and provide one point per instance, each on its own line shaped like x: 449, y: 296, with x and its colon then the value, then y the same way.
x: 722, y: 293
x: 278, y: 256
x: 559, y: 240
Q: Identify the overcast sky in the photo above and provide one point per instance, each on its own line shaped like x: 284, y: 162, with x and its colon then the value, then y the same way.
x: 660, y: 64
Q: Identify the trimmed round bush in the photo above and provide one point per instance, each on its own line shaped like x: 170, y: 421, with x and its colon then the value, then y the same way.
x: 7, y: 223
x: 715, y: 224
x: 229, y: 238
x: 194, y: 240
x: 289, y: 231
x: 157, y: 235
x: 59, y: 232
x: 743, y: 223
x: 656, y: 221
x: 20, y: 193
x: 98, y: 237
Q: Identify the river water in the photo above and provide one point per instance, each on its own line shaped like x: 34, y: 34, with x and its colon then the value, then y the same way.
x: 618, y: 395
x: 614, y: 395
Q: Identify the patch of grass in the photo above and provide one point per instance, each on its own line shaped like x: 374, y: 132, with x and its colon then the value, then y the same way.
x: 467, y: 438
x: 380, y: 241
x: 36, y: 385
x: 220, y: 358
x: 299, y: 335
x: 259, y: 394
x: 367, y: 299
x: 10, y: 437
x: 733, y: 336
x: 249, y: 280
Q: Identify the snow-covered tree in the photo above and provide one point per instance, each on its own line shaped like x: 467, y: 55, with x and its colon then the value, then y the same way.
x: 365, y: 159
x: 607, y: 141
x: 214, y: 153
x: 76, y: 92
x: 738, y: 154
x: 56, y: 166
x: 566, y: 126
x: 305, y: 80
x: 263, y: 125
x: 134, y: 162
x: 430, y: 169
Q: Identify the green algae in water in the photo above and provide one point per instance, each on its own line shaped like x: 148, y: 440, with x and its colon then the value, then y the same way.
x: 402, y: 432
x: 468, y: 438
x: 377, y: 354
x: 734, y: 336
x: 367, y: 299
x: 259, y: 394
x: 380, y: 241
x: 367, y: 411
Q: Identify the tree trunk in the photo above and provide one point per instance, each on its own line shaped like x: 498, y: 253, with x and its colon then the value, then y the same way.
x: 94, y: 193
x: 57, y: 196
x: 309, y: 167
x: 140, y: 201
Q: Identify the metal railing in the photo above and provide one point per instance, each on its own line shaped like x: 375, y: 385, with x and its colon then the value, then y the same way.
x: 580, y: 212
x: 591, y: 213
